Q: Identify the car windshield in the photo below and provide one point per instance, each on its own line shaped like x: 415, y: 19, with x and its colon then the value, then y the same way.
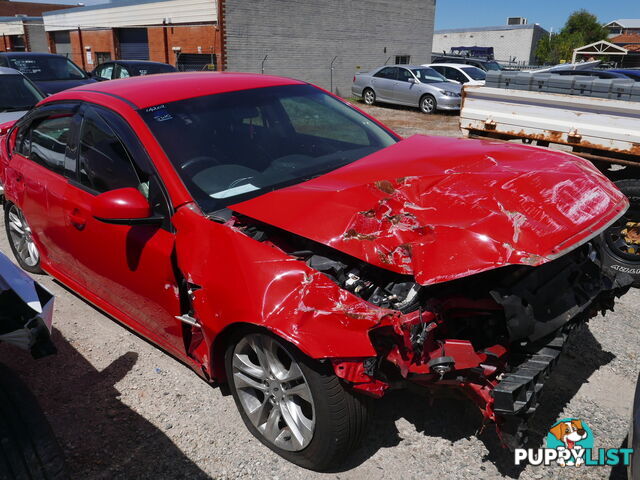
x: 151, y: 68
x: 233, y: 146
x: 17, y: 93
x: 474, y: 72
x: 428, y: 75
x: 43, y: 68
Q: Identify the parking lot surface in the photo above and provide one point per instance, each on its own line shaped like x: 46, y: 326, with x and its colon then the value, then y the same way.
x: 124, y: 409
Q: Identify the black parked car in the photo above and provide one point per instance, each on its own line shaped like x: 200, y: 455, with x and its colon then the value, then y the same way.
x: 129, y: 68
x: 51, y: 73
x: 483, y: 64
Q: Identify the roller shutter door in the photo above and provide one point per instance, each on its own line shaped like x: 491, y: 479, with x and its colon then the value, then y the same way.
x: 62, y: 42
x: 134, y: 44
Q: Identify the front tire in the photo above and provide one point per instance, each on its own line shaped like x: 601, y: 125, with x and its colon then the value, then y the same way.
x: 621, y: 250
x: 369, y: 96
x: 19, y: 235
x: 428, y: 104
x: 294, y: 405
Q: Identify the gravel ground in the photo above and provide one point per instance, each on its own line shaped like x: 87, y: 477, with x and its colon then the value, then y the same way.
x: 123, y: 409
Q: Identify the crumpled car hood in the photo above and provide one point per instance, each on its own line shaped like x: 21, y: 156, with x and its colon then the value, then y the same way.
x: 441, y: 208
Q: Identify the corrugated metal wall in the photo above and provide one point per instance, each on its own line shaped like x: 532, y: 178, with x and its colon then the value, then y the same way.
x: 134, y: 43
x: 301, y: 38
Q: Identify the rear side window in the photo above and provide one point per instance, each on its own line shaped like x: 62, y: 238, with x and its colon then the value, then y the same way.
x: 104, y: 162
x: 46, y: 142
x: 387, y: 72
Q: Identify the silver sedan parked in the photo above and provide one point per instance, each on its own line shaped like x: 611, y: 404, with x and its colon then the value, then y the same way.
x: 414, y: 86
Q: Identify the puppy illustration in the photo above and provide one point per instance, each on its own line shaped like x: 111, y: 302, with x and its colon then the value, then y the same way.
x: 569, y: 433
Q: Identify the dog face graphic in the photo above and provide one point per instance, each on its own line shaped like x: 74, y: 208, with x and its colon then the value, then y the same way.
x: 569, y: 432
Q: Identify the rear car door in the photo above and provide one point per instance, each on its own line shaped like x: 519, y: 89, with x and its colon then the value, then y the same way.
x: 39, y: 169
x: 129, y: 268
x: 383, y: 83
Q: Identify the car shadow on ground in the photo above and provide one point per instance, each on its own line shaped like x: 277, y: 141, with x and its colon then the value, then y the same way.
x: 393, y: 106
x: 453, y: 418
x: 102, y: 437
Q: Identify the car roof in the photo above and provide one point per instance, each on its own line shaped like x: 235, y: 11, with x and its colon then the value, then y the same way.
x: 453, y: 65
x: 137, y: 62
x: 9, y: 71
x: 150, y: 90
x: 29, y: 54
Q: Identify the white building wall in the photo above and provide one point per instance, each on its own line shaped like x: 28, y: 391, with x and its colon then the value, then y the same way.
x: 12, y: 28
x: 152, y: 13
x: 507, y: 44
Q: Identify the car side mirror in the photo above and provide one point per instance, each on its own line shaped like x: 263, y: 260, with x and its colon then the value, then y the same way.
x: 124, y: 206
x: 413, y: 80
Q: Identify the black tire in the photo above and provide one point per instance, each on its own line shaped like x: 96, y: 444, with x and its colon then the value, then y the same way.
x: 618, y: 253
x: 340, y: 415
x: 28, y: 447
x: 29, y: 268
x: 428, y: 104
x: 368, y: 96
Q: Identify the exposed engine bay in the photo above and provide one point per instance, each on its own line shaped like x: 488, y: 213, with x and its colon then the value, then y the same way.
x: 495, y: 335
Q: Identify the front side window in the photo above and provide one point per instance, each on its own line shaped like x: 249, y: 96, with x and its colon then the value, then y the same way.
x: 122, y: 72
x: 46, y: 142
x: 47, y: 67
x: 106, y: 71
x: 404, y: 75
x: 233, y: 146
x: 104, y: 162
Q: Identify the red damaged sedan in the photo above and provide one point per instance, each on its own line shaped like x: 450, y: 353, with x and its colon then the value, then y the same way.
x: 295, y: 250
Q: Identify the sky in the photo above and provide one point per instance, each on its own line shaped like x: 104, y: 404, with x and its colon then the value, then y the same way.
x: 548, y: 13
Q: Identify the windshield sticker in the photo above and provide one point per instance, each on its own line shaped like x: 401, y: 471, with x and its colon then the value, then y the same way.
x: 160, y: 113
x: 26, y: 66
x: 231, y: 192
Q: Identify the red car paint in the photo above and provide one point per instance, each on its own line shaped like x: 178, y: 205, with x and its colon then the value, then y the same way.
x: 480, y: 206
x: 432, y: 208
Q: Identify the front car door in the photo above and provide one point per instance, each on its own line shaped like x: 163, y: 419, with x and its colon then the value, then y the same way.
x: 128, y: 268
x: 406, y: 90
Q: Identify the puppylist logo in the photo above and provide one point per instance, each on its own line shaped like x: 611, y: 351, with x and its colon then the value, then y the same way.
x: 570, y: 443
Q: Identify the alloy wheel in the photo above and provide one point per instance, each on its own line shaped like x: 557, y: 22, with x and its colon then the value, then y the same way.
x: 273, y: 392
x: 428, y: 105
x: 21, y: 237
x: 369, y: 97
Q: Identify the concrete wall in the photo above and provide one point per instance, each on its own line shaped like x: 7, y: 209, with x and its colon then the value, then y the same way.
x: 517, y: 41
x: 302, y: 37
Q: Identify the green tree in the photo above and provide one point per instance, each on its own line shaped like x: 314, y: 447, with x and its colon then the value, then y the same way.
x: 581, y: 28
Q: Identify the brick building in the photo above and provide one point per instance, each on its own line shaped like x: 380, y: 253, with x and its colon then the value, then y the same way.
x: 170, y: 31
x: 21, y: 28
x: 321, y: 42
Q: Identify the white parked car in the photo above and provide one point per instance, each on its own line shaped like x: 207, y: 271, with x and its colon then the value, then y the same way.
x: 460, y: 73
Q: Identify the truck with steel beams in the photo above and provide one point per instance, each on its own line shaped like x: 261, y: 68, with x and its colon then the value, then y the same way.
x: 595, y: 119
